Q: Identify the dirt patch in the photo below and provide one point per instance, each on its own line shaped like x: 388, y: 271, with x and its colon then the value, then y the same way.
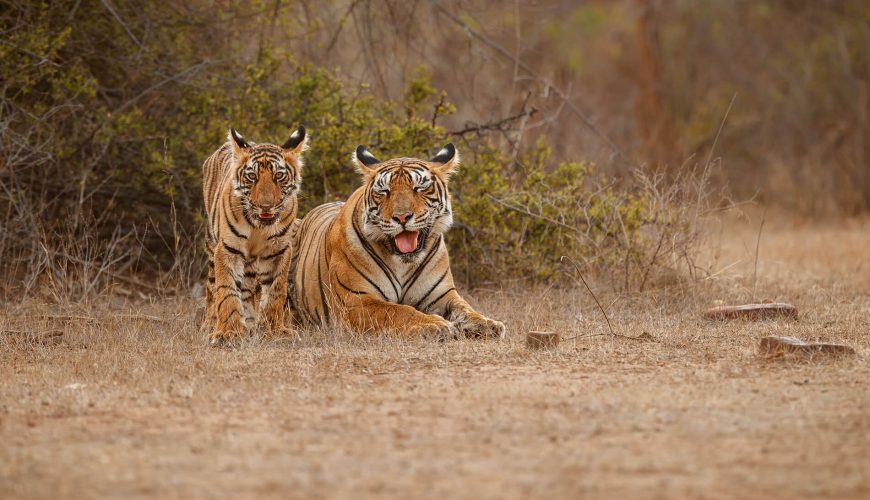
x: 122, y: 405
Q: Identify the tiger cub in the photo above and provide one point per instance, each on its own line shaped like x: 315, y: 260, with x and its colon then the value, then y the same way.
x: 379, y: 261
x: 250, y: 194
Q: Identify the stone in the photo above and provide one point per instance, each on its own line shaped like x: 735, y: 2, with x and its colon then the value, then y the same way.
x: 753, y: 312
x: 774, y: 346
x: 542, y: 340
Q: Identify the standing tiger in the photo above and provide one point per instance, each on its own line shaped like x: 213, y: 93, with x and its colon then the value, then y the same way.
x: 250, y: 197
x: 379, y: 261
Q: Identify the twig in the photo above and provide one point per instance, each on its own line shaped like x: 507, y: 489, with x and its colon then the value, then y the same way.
x: 123, y: 24
x: 525, y: 67
x: 63, y: 317
x: 41, y: 59
x: 526, y: 211
x: 44, y: 333
x: 495, y: 125
x: 706, y: 172
x: 566, y: 258
x: 341, y: 23
x: 652, y: 261
x: 73, y: 317
x: 365, y: 42
x: 729, y: 266
x: 721, y: 126
x: 144, y: 317
x: 642, y: 336
x: 175, y: 77
x: 757, y: 245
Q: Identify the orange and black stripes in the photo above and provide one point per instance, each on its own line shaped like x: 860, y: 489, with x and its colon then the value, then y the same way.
x: 379, y: 261
x: 250, y: 193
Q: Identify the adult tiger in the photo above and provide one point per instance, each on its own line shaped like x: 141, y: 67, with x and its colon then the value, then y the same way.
x: 379, y: 261
x: 250, y: 197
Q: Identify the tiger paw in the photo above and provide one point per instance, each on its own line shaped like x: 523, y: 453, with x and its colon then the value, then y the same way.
x: 439, y: 330
x: 223, y: 339
x: 283, y: 332
x: 274, y: 317
x: 479, y: 326
x: 227, y: 332
x: 205, y: 317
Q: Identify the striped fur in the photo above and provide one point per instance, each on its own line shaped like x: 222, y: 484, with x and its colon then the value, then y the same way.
x: 250, y: 197
x: 379, y: 261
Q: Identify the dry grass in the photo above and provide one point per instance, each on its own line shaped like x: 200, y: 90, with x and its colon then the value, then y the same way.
x: 130, y: 402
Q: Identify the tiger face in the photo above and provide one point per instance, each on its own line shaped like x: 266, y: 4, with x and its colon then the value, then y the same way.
x: 267, y: 176
x: 406, y: 201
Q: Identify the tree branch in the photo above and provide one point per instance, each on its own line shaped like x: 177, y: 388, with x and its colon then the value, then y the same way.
x: 525, y: 67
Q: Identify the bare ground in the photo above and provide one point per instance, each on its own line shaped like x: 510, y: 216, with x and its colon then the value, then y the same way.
x: 126, y: 400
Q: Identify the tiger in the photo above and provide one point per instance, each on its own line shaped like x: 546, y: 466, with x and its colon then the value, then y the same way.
x: 378, y: 262
x: 250, y: 195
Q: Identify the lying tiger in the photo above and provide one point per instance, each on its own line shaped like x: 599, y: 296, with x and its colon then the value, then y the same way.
x: 250, y: 192
x: 379, y: 262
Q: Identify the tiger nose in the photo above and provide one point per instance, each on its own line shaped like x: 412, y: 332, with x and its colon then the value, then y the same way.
x: 401, y: 218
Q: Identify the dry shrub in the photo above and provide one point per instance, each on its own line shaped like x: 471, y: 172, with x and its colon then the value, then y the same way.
x: 106, y: 116
x: 518, y: 223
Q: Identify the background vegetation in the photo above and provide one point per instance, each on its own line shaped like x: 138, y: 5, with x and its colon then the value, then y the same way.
x: 591, y: 130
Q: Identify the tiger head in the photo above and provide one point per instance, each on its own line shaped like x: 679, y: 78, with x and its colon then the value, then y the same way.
x: 267, y: 176
x: 406, y: 200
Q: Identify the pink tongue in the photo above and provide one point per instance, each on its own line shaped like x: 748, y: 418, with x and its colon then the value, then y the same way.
x: 406, y: 241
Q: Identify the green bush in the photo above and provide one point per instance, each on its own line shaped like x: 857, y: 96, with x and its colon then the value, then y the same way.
x: 106, y: 134
x: 519, y: 226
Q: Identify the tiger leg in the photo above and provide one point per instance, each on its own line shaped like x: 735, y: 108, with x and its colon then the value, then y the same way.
x: 363, y: 312
x: 209, y: 317
x: 275, y: 312
x: 227, y: 297
x: 249, y: 291
x: 469, y: 322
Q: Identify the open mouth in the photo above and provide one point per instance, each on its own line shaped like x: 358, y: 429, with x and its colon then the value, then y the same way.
x: 407, y: 241
x: 266, y: 217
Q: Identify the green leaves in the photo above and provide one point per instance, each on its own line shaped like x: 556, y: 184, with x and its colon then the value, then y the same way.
x: 123, y: 116
x: 517, y: 226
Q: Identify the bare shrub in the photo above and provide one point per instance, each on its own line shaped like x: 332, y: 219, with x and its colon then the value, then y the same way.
x: 517, y: 225
x: 109, y: 109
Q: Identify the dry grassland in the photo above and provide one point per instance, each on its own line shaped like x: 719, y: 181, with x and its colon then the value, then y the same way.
x: 128, y: 401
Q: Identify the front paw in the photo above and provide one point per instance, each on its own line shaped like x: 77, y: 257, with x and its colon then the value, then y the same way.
x: 227, y: 332
x: 438, y: 329
x: 274, y: 317
x: 476, y: 325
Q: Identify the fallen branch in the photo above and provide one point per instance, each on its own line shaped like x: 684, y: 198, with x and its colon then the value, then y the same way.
x: 73, y: 317
x: 642, y: 337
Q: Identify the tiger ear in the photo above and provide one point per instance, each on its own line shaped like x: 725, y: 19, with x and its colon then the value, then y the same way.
x: 363, y: 160
x: 297, y: 143
x: 446, y: 161
x: 239, y: 143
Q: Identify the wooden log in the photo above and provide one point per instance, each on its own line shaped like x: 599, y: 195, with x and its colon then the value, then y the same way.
x: 542, y: 340
x: 753, y: 312
x: 779, y: 346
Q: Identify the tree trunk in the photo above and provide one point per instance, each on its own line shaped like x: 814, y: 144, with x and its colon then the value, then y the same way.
x: 654, y: 117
